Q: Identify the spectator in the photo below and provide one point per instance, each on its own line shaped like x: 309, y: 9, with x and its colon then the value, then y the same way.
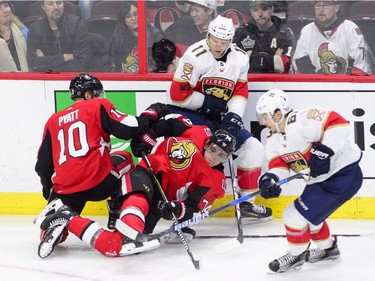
x: 330, y: 45
x: 190, y: 29
x: 163, y: 54
x: 266, y: 40
x: 13, y: 35
x: 123, y: 48
x: 59, y: 41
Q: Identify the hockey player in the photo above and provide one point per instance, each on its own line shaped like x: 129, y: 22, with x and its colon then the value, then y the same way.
x: 330, y: 45
x: 74, y: 162
x: 210, y: 88
x: 190, y: 171
x: 318, y: 139
x: 266, y: 40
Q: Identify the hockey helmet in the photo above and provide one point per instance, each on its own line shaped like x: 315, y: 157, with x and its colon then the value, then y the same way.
x: 84, y: 82
x: 270, y: 102
x: 224, y: 140
x: 222, y: 28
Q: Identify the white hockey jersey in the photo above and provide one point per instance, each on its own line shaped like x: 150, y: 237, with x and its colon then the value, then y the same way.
x: 329, y: 51
x: 199, y: 73
x: 291, y: 151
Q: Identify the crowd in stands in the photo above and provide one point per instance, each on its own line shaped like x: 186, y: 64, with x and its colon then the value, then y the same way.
x: 332, y: 37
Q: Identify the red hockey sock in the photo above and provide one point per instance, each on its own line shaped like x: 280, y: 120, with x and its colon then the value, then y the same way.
x: 134, y: 210
x: 322, y: 234
x: 297, y: 236
x: 248, y: 180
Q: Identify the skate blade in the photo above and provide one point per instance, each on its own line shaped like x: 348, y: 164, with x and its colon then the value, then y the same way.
x: 45, y: 248
x: 127, y: 249
x: 248, y: 220
x: 52, y: 206
x: 297, y: 268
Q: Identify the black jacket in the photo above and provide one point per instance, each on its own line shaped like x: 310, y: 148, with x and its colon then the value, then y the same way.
x: 72, y: 38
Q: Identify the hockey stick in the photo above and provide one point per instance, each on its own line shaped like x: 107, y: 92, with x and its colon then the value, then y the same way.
x: 135, y: 235
x: 233, y: 243
x: 174, y: 219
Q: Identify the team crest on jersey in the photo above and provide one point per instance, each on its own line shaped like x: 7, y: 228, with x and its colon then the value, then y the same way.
x: 248, y: 43
x: 295, y: 161
x: 187, y: 71
x: 330, y: 63
x: 316, y: 114
x: 218, y: 87
x: 180, y: 153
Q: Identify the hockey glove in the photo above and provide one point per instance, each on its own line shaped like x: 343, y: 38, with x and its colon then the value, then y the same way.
x: 232, y: 123
x: 47, y: 187
x: 144, y: 143
x: 268, y: 187
x: 155, y: 111
x: 320, y: 160
x: 213, y: 107
x: 166, y: 208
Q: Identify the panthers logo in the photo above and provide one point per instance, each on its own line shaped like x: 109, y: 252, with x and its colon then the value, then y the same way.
x: 296, y: 161
x: 180, y: 153
x: 218, y: 87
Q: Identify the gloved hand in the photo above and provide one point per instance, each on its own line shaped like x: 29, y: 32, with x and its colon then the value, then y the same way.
x: 47, y: 187
x: 155, y: 111
x: 166, y: 208
x: 320, y: 160
x: 232, y: 123
x: 267, y: 185
x: 144, y: 143
x: 213, y: 107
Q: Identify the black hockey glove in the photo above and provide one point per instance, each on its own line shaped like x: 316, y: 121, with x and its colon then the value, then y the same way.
x: 320, y: 160
x: 144, y: 143
x: 47, y: 187
x: 267, y: 185
x: 213, y: 107
x: 166, y: 208
x: 155, y: 111
x: 232, y: 123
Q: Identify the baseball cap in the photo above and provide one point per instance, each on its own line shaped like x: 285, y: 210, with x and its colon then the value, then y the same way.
x: 211, y: 4
x: 259, y: 2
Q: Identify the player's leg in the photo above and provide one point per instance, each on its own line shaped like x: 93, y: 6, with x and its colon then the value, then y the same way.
x: 250, y: 158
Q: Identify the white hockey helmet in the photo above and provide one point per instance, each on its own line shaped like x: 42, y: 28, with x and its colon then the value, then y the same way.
x: 222, y: 28
x: 211, y: 4
x: 269, y: 103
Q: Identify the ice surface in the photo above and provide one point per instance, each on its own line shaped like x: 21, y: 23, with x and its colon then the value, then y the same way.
x: 74, y: 260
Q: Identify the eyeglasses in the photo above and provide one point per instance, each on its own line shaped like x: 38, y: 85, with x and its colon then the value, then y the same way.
x: 324, y: 5
x: 130, y: 15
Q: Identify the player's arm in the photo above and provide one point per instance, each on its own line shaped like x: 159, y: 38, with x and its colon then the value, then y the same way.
x: 44, y: 166
x: 357, y: 50
x: 121, y: 125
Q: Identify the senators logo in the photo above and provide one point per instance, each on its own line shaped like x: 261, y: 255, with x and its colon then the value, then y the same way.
x: 330, y: 63
x: 218, y: 87
x: 180, y: 153
x: 295, y: 161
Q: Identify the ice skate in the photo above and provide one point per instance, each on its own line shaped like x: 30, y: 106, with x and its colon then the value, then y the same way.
x: 51, y: 208
x: 316, y: 255
x: 53, y: 227
x: 131, y: 247
x: 174, y: 238
x: 255, y: 213
x: 288, y: 262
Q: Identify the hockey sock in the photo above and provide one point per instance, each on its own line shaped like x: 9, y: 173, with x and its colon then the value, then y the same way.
x: 322, y: 237
x: 134, y: 210
x: 248, y: 180
x: 298, y: 239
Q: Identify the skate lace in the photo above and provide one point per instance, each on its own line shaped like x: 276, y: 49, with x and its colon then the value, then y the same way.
x: 286, y: 260
x: 259, y: 209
